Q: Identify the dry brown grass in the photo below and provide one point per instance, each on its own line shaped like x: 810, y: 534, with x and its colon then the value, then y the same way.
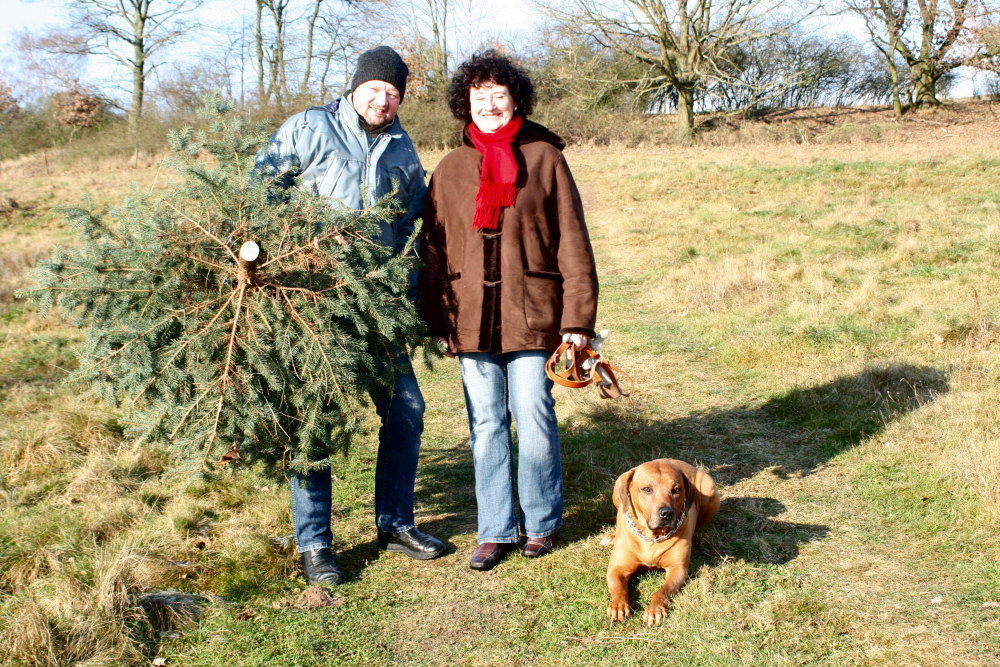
x: 65, y: 625
x: 854, y: 126
x: 14, y: 267
x: 808, y: 312
x: 68, y: 160
x: 70, y: 605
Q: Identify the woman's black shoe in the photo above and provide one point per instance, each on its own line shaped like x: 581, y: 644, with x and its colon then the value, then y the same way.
x: 319, y: 567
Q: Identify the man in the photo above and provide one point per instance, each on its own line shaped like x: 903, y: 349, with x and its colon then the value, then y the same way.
x: 355, y: 151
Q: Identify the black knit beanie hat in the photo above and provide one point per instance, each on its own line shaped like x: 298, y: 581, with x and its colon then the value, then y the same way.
x: 381, y: 64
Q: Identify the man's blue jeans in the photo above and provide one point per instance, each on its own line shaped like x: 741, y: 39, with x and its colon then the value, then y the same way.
x: 497, y: 387
x: 402, y: 413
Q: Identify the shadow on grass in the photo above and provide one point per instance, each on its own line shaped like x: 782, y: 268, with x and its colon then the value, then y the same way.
x: 745, y: 528
x: 792, y: 434
x: 445, y: 489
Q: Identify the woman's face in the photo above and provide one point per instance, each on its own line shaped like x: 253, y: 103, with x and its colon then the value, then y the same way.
x: 491, y: 106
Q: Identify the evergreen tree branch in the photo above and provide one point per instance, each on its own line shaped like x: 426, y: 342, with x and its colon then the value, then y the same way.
x: 187, y: 412
x: 232, y: 333
x: 315, y: 338
x: 215, y: 430
x: 273, y: 361
x: 205, y: 231
x: 181, y: 348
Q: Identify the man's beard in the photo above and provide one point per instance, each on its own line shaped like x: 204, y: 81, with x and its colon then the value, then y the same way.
x: 374, y: 129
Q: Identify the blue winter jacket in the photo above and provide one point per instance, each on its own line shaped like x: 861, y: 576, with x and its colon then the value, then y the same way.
x: 330, y: 153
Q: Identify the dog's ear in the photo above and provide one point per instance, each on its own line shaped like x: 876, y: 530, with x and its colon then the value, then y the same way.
x: 620, y: 495
x: 689, y: 491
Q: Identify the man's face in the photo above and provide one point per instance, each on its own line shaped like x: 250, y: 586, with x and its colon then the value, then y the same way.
x: 376, y: 102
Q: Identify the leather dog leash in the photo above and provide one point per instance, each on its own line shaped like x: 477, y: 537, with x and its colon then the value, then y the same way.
x: 569, y: 372
x: 566, y: 368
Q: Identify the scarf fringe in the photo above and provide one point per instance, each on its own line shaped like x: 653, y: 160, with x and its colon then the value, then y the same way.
x: 490, y: 198
x: 498, y: 177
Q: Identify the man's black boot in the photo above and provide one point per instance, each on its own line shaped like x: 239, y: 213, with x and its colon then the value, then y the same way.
x: 411, y: 542
x: 319, y: 567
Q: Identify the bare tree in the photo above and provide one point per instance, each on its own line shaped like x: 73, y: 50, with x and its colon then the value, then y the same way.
x: 181, y: 87
x: 310, y: 51
x: 421, y: 31
x: 272, y: 55
x: 259, y: 43
x: 884, y: 20
x: 984, y: 38
x: 49, y: 62
x: 128, y: 32
x: 472, y: 29
x: 437, y: 14
x: 800, y: 69
x: 933, y: 37
x: 684, y: 42
x: 346, y: 28
x: 341, y: 36
x: 590, y: 77
x: 8, y: 103
x: 299, y: 43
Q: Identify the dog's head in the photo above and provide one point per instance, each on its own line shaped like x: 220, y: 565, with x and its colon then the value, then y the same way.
x: 655, y: 492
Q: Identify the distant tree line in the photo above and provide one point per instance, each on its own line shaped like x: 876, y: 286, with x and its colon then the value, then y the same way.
x: 589, y: 56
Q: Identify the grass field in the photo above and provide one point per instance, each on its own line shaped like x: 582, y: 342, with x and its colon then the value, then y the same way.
x: 816, y: 324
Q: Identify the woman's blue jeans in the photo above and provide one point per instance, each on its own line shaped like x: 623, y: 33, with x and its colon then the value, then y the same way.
x: 498, y: 387
x: 402, y: 413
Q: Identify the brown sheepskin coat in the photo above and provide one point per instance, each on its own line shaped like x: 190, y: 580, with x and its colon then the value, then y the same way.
x: 524, y: 285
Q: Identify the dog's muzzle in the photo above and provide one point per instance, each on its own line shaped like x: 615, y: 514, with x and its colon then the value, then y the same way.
x: 664, y: 517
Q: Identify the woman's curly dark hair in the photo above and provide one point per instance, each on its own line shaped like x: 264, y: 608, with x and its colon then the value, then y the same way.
x: 489, y: 67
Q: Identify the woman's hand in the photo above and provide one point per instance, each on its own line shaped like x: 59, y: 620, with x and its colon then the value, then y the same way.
x: 579, y: 340
x: 443, y: 342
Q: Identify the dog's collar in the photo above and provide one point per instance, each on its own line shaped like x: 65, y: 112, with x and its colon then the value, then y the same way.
x: 638, y: 531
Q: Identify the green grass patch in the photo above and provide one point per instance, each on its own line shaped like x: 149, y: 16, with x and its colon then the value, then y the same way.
x: 814, y: 325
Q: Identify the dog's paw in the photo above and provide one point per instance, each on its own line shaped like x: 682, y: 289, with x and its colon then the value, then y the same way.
x: 608, y: 540
x: 654, y: 614
x: 618, y: 611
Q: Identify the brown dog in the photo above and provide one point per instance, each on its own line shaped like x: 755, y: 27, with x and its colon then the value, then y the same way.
x: 660, y: 503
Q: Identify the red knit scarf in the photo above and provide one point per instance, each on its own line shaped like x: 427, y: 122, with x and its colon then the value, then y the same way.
x: 498, y: 177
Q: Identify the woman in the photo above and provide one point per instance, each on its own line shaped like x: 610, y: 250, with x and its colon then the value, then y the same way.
x: 508, y: 273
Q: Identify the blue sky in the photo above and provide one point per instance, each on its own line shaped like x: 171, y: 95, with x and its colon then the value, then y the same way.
x: 511, y: 14
x: 33, y: 14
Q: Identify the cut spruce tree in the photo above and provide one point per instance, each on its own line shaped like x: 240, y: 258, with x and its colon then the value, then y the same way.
x: 232, y: 319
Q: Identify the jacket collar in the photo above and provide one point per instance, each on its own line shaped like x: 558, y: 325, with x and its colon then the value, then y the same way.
x: 530, y: 133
